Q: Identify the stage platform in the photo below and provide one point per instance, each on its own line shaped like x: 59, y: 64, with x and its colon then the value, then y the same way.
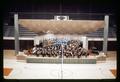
x: 91, y: 59
x: 23, y: 70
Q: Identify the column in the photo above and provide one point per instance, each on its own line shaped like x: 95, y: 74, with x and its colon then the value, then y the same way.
x: 16, y: 34
x: 106, y: 19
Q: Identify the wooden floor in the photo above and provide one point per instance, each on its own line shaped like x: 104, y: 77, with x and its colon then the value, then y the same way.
x: 7, y: 71
x: 114, y: 72
x: 9, y: 54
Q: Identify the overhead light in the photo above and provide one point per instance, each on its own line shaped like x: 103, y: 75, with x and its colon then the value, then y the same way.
x: 49, y: 32
x: 61, y: 17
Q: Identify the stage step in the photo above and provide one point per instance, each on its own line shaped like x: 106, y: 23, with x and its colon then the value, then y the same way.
x: 58, y: 60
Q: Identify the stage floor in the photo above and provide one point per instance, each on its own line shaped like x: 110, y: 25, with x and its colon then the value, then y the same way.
x: 23, y: 70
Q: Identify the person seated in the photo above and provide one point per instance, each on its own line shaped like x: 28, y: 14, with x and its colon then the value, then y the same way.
x: 34, y: 49
x: 38, y: 53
